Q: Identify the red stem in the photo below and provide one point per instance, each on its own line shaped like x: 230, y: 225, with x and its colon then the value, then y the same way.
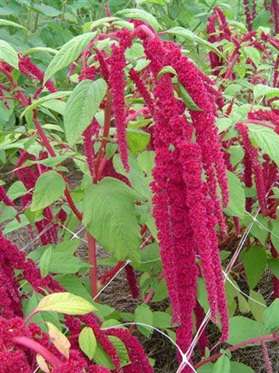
x: 51, y: 151
x: 231, y: 66
x: 105, y: 134
x: 20, y: 94
x: 261, y: 122
x: 93, y: 262
x: 35, y: 346
x: 264, y: 338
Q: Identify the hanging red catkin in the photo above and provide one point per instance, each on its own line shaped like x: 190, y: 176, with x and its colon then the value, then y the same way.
x: 117, y: 63
x: 252, y: 153
x: 180, y: 196
x: 28, y: 68
x: 132, y: 281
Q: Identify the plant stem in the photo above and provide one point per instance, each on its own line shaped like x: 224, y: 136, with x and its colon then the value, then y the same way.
x: 93, y: 262
x: 51, y: 151
x: 105, y: 134
x: 20, y: 94
x: 36, y: 347
x: 264, y: 338
x: 261, y: 122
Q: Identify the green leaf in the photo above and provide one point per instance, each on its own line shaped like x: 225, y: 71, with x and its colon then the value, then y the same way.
x: 271, y: 319
x: 254, y: 262
x: 146, y: 161
x: 59, y: 340
x: 242, y: 328
x: 5, y: 22
x: 189, y: 35
x: 39, y: 49
x: 274, y: 266
x: 135, y: 176
x: 30, y: 304
x: 68, y: 54
x: 82, y: 106
x: 161, y: 320
x: 42, y: 100
x: 206, y: 368
x: 74, y: 285
x: 65, y: 303
x: 143, y: 314
x: 222, y: 365
x: 100, y: 22
x: 261, y: 90
x: 87, y: 342
x: 46, y: 10
x: 137, y: 140
x: 48, y: 189
x: 166, y: 70
x: 110, y: 215
x: 240, y: 368
x: 187, y: 99
x: 121, y: 350
x: 266, y: 139
x: 141, y: 15
x: 45, y: 262
x: 8, y: 54
x: 275, y: 234
x: 102, y: 358
x: 256, y: 308
x: 236, y: 205
x: 17, y: 189
x: 252, y: 53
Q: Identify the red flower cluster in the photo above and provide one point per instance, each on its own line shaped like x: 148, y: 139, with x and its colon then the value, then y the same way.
x: 252, y: 157
x: 250, y: 12
x: 117, y: 63
x: 28, y: 68
x: 186, y: 206
x: 137, y: 356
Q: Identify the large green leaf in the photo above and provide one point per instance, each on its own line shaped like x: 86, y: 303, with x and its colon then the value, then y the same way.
x: 242, y: 328
x: 8, y: 54
x: 87, y: 342
x: 222, y: 365
x: 236, y: 205
x: 110, y: 215
x: 271, y: 317
x: 187, y: 99
x: 43, y: 100
x: 135, y: 176
x: 266, y: 139
x: 82, y: 106
x: 189, y: 35
x: 121, y: 350
x: 68, y: 54
x: 254, y: 264
x: 144, y: 315
x: 49, y: 187
x: 137, y: 140
x: 5, y: 22
x: 102, y: 358
x: 237, y: 367
x: 141, y: 15
x: 65, y: 303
